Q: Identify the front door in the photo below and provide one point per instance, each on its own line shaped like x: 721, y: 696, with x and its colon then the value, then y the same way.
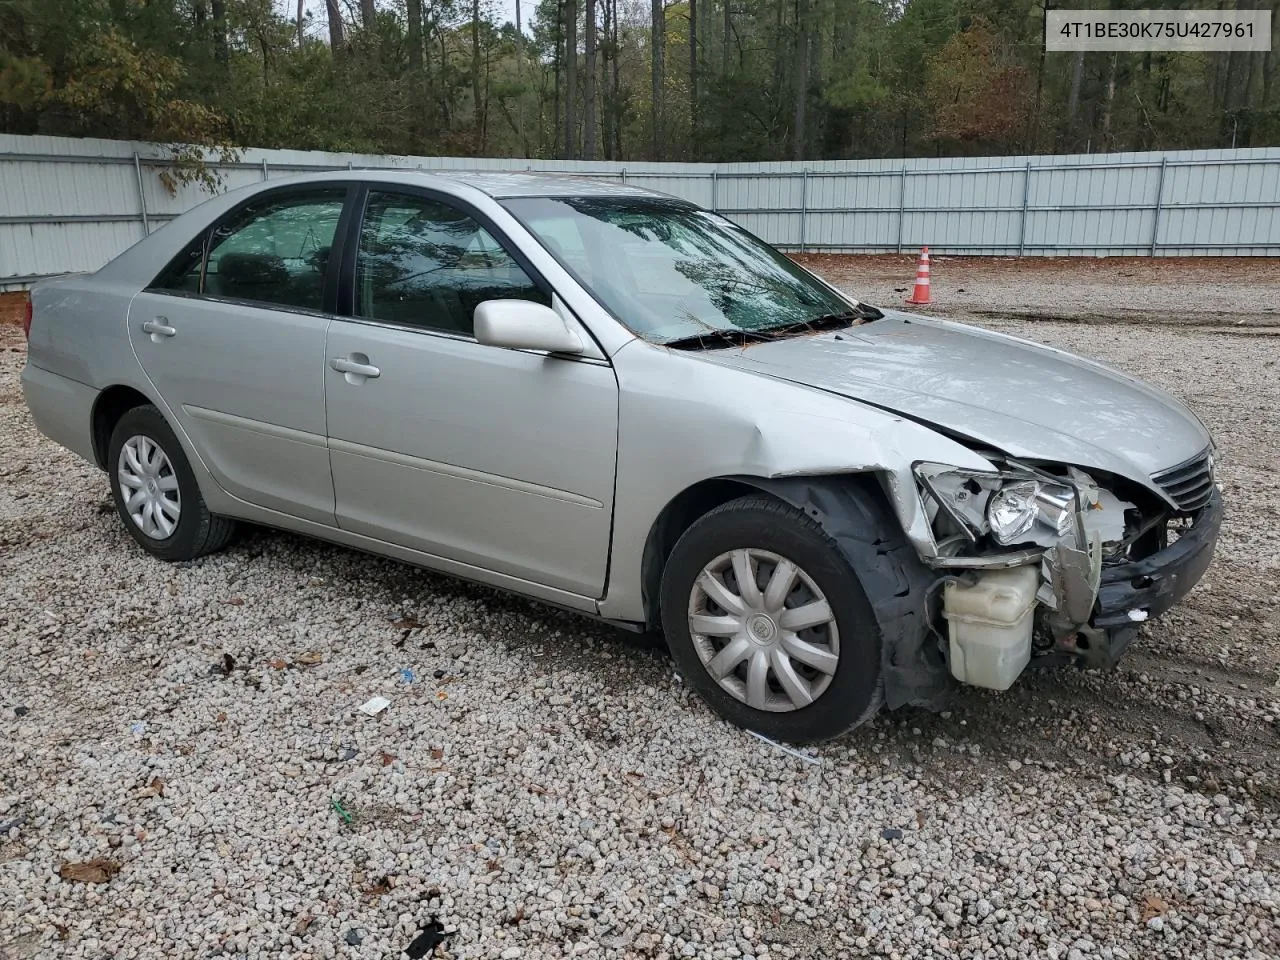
x: 499, y: 459
x: 234, y: 343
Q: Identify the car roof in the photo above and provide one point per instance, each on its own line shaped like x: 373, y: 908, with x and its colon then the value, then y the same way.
x: 503, y: 184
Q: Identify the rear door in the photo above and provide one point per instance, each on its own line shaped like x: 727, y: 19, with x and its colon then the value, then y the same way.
x: 498, y: 459
x: 232, y: 334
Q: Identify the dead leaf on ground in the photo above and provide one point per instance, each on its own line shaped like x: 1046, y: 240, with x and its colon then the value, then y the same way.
x: 153, y: 789
x: 1153, y: 906
x: 309, y: 659
x: 387, y: 758
x: 437, y: 753
x: 277, y: 663
x: 407, y: 622
x: 303, y: 922
x: 380, y: 886
x: 222, y: 716
x: 97, y: 870
x: 236, y: 601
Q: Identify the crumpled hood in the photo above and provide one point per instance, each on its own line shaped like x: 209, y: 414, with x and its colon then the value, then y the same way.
x: 1027, y: 400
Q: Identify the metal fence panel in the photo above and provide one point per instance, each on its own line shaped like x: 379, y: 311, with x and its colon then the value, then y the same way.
x: 69, y: 205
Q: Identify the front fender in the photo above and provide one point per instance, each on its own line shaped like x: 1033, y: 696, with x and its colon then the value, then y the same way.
x: 683, y: 421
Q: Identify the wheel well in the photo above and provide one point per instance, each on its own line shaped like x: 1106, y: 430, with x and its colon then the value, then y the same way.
x: 677, y: 517
x: 111, y: 405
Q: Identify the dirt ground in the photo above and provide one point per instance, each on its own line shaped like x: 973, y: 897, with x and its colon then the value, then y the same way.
x: 11, y: 306
x: 1165, y: 290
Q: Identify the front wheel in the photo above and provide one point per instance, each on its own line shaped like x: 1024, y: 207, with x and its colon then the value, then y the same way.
x: 155, y: 492
x: 768, y: 622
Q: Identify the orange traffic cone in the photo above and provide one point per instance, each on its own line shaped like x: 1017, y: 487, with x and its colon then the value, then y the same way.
x: 921, y: 293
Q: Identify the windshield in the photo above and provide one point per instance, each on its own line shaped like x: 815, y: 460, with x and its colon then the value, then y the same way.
x: 670, y: 271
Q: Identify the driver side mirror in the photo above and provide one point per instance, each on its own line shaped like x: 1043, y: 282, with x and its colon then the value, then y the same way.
x: 524, y: 325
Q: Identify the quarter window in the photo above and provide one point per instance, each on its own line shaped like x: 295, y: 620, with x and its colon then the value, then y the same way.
x: 423, y: 263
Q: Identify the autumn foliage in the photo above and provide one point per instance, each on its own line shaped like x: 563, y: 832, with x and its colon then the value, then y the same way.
x: 976, y: 93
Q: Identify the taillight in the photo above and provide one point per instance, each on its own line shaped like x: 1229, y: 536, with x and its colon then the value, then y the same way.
x: 26, y: 319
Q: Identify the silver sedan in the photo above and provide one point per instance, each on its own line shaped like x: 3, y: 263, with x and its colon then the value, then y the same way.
x: 620, y: 403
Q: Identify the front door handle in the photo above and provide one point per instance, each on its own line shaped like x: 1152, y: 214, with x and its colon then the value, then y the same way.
x: 357, y: 368
x: 159, y: 327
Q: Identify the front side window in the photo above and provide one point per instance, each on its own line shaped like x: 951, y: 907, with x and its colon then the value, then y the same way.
x: 669, y: 270
x: 423, y: 263
x: 275, y: 250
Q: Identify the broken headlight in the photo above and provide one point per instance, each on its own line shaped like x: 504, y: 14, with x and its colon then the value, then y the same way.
x: 1011, y: 510
x: 1014, y: 509
x: 1011, y: 505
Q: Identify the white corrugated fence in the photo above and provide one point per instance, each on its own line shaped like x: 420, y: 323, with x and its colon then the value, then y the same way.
x: 68, y: 205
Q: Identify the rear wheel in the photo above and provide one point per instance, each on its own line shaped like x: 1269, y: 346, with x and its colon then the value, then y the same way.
x: 769, y: 623
x: 155, y: 492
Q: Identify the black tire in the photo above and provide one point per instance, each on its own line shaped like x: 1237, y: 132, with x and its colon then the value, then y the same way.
x: 197, y: 531
x: 854, y: 693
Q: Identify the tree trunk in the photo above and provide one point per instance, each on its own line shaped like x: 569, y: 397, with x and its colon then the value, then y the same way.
x: 693, y: 77
x: 617, y: 87
x: 801, y: 80
x: 219, y: 20
x: 477, y: 112
x: 301, y: 9
x: 524, y: 144
x: 571, y: 80
x: 1229, y: 82
x: 1033, y: 122
x: 368, y: 14
x: 607, y: 54
x: 1077, y: 74
x: 728, y: 37
x: 589, y: 134
x: 414, y: 9
x: 421, y: 108
x: 657, y: 44
x: 1107, y: 102
x: 556, y: 66
x: 337, y: 39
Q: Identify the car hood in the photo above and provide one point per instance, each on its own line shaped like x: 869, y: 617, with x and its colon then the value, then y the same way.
x: 1024, y: 399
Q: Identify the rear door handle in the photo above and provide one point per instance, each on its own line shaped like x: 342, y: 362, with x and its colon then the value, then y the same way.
x: 158, y: 328
x: 355, y: 368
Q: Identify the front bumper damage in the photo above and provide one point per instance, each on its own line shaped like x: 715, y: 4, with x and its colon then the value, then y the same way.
x: 1130, y: 593
x: 1088, y: 580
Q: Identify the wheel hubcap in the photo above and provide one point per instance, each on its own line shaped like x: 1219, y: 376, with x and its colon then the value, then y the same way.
x: 764, y: 630
x: 149, y: 487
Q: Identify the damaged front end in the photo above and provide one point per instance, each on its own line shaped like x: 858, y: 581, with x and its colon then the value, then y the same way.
x: 1053, y: 563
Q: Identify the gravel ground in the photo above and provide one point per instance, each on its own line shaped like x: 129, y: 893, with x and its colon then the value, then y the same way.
x: 545, y: 787
x: 1165, y: 290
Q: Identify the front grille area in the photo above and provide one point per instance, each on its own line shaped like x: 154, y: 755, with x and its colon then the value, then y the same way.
x: 1190, y: 483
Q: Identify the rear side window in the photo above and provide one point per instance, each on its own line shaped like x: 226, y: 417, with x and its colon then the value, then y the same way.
x: 276, y: 252
x: 423, y: 263
x: 273, y: 251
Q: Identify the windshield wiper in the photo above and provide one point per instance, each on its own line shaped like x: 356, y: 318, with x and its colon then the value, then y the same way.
x: 713, y: 338
x: 716, y: 337
x: 863, y: 313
